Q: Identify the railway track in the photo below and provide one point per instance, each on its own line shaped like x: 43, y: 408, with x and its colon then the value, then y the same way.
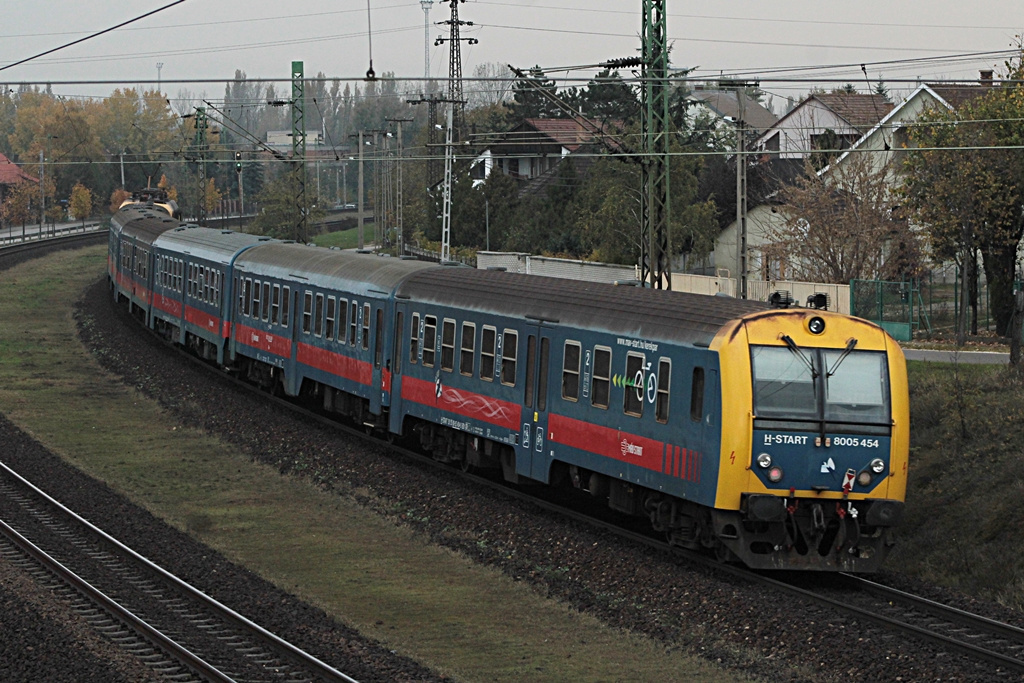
x: 180, y: 633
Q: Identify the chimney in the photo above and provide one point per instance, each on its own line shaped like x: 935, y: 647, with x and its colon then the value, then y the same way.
x: 986, y: 76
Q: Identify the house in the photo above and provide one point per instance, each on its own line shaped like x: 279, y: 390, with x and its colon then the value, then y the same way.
x: 824, y: 121
x: 885, y: 138
x: 724, y: 106
x: 11, y: 174
x: 536, y: 146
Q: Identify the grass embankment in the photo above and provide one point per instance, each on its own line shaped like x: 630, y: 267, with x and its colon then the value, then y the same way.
x: 438, y: 608
x: 345, y: 239
x: 964, y: 524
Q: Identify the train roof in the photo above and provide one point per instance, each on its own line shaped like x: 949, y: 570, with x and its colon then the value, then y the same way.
x: 636, y: 312
x: 329, y: 268
x: 143, y: 224
x: 218, y: 246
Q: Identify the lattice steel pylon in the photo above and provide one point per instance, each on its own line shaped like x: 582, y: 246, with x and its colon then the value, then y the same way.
x: 655, y: 266
x: 455, y: 91
x: 200, y: 144
x: 299, y: 151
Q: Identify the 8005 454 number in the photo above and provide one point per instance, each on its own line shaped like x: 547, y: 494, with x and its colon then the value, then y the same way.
x: 854, y: 441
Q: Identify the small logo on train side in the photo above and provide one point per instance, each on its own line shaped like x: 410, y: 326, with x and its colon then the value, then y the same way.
x: 828, y: 466
x: 631, y: 449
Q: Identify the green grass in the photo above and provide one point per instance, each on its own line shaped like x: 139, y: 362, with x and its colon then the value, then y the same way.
x: 428, y: 603
x: 345, y: 239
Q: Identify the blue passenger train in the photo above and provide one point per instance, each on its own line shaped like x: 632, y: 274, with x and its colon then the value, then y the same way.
x: 776, y: 437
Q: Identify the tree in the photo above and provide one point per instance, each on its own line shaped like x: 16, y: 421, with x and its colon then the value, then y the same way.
x: 18, y: 204
x: 530, y: 97
x: 117, y: 198
x: 81, y: 202
x: 840, y: 225
x: 965, y: 184
x: 608, y: 98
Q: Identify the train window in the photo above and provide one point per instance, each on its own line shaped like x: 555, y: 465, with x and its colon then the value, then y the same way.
x: 508, y: 357
x: 256, y: 288
x: 487, y: 340
x: 697, y: 395
x: 600, y: 385
x: 307, y: 312
x: 318, y: 316
x: 366, y: 326
x: 266, y: 301
x: 353, y: 323
x: 571, y: 371
x: 414, y: 339
x: 542, y: 380
x: 448, y: 345
x: 329, y: 329
x: 378, y: 340
x: 247, y: 293
x: 468, y: 347
x: 190, y: 269
x: 286, y: 294
x: 206, y: 277
x: 429, y: 340
x: 275, y: 306
x: 633, y: 396
x: 342, y: 319
x: 664, y: 383
x: 531, y: 361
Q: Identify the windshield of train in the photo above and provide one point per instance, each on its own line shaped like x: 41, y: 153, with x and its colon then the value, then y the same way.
x: 815, y: 384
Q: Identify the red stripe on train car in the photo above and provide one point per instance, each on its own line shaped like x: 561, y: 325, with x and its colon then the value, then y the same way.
x: 335, y: 363
x: 277, y: 344
x: 200, y: 318
x: 607, y: 442
x: 461, y: 402
x: 168, y: 305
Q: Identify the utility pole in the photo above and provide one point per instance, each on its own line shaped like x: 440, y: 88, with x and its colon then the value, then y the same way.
x: 359, y: 208
x: 399, y: 199
x: 42, y: 194
x: 654, y: 174
x: 200, y: 145
x: 299, y: 151
x: 446, y: 219
x: 741, y: 182
x: 159, y: 66
x: 425, y: 4
x: 455, y: 64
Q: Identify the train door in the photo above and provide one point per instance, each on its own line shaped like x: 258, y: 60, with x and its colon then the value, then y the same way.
x: 393, y: 368
x: 709, y: 414
x: 532, y: 460
x: 378, y: 378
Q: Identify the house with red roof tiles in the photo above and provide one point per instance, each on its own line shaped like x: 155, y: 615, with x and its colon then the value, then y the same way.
x: 11, y: 174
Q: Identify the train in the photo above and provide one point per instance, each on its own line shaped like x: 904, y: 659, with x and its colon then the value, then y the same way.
x: 773, y: 437
x: 155, y: 198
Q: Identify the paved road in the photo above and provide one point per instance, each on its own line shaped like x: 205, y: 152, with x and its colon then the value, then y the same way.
x: 971, y: 357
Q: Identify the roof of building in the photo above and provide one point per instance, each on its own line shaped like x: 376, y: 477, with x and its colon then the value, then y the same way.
x: 860, y: 110
x: 725, y: 103
x: 571, y: 133
x: 957, y: 94
x: 11, y: 173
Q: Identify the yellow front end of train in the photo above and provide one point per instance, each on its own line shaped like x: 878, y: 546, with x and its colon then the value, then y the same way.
x: 814, y: 442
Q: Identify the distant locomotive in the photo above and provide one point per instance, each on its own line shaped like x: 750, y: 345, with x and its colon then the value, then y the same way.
x: 776, y: 437
x: 154, y: 197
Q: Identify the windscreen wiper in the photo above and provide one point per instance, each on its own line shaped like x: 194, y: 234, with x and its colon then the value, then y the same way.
x: 800, y: 354
x: 846, y: 352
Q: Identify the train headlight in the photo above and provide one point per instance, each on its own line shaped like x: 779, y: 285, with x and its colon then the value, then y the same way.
x: 864, y: 478
x: 877, y: 465
x: 764, y: 461
x: 775, y: 474
x: 816, y: 325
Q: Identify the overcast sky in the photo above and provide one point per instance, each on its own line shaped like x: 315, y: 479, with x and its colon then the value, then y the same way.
x: 770, y: 41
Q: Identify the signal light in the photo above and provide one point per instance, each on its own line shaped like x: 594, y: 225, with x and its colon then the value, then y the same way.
x: 238, y: 162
